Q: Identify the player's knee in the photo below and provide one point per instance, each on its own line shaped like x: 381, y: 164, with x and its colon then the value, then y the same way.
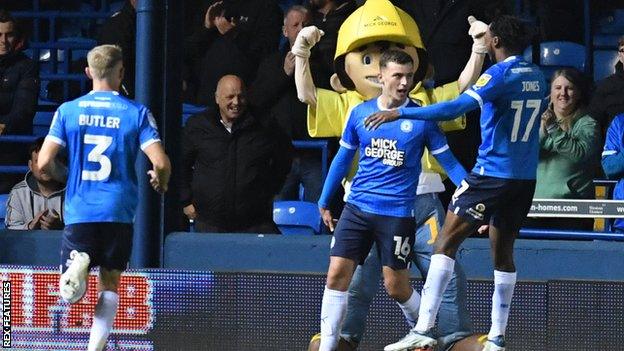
x: 109, y: 280
x: 338, y: 280
x: 398, y: 290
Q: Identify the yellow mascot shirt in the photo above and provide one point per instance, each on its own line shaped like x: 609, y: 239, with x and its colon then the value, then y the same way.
x: 329, y: 117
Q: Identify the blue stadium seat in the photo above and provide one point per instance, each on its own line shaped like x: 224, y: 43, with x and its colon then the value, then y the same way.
x: 297, y: 217
x: 188, y: 110
x: 558, y: 54
x: 612, y: 23
x: 41, y: 123
x: 606, y: 41
x: 604, y: 63
x: 3, y: 206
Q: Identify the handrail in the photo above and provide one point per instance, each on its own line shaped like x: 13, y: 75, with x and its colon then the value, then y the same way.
x: 61, y: 14
x: 26, y: 139
x: 13, y: 169
x: 526, y: 233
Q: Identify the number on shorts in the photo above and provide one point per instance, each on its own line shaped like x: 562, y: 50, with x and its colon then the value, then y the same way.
x: 101, y: 142
x: 518, y: 105
x: 402, y: 247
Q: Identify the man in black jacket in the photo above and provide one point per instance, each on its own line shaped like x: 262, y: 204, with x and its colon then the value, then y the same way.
x: 608, y: 98
x: 19, y: 87
x: 232, y: 165
x: 274, y: 91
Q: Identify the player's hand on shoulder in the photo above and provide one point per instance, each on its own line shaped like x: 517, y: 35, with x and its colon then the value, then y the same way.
x: 373, y: 121
x: 328, y: 219
x: 189, y: 211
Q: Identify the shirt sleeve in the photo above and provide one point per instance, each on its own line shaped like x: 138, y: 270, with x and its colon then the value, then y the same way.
x: 435, y: 139
x: 327, y: 118
x: 488, y: 87
x: 350, y: 139
x: 57, y: 132
x: 148, y: 130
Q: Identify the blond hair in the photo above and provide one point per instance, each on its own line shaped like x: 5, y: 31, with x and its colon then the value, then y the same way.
x: 102, y: 59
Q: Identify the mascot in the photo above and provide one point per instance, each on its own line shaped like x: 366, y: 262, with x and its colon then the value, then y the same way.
x: 373, y: 28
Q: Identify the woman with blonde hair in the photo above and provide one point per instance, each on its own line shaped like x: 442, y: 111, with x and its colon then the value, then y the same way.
x: 569, y: 148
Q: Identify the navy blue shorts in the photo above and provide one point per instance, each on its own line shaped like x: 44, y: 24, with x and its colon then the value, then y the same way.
x: 502, y: 202
x: 108, y: 244
x: 357, y: 231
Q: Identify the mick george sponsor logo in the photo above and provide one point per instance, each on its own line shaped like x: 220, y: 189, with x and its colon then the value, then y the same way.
x: 386, y: 150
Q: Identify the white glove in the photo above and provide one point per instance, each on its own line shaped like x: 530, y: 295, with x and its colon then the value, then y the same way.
x: 477, y: 32
x: 306, y: 39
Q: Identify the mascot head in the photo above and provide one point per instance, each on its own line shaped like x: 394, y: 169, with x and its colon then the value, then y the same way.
x: 371, y: 29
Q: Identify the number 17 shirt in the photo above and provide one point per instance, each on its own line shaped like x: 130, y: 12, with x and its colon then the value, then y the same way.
x: 510, y: 94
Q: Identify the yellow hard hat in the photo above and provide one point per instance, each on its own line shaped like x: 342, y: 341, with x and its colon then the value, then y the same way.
x: 374, y: 21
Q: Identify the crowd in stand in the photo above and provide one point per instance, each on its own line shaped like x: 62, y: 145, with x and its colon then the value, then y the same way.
x: 236, y: 154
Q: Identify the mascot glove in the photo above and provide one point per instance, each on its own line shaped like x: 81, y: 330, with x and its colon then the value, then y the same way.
x: 477, y: 32
x: 306, y: 39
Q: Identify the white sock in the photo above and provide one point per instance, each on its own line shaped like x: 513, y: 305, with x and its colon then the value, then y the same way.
x: 504, y: 283
x: 440, y: 273
x: 333, y: 311
x: 103, y: 319
x: 410, y: 308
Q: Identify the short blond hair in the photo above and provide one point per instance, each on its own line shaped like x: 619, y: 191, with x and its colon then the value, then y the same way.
x: 102, y: 59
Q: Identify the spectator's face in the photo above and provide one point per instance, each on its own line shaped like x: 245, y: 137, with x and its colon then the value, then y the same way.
x: 396, y: 80
x: 231, y: 98
x: 294, y: 21
x: 36, y: 171
x: 563, y: 95
x: 8, y: 37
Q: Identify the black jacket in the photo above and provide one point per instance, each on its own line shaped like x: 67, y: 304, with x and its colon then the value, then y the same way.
x: 322, y: 55
x: 210, y: 55
x: 608, y: 98
x: 120, y: 30
x: 232, y: 178
x: 19, y: 88
x: 274, y: 91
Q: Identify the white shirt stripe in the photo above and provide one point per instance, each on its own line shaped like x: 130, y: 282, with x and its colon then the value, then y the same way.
x: 347, y: 145
x: 148, y: 143
x: 475, y: 96
x: 440, y: 150
x: 609, y: 152
x: 56, y: 140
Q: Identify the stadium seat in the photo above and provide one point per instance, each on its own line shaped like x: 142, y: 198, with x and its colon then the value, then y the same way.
x: 41, y: 123
x: 297, y: 217
x: 3, y: 206
x: 604, y: 63
x: 558, y: 54
x: 188, y: 110
x: 605, y: 41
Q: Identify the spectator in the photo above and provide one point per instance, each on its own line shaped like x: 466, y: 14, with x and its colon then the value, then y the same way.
x: 613, y: 162
x: 236, y: 35
x: 120, y: 30
x: 569, y: 148
x: 327, y: 15
x: 608, y: 98
x: 19, y: 86
x: 274, y: 90
x: 232, y: 165
x: 37, y: 201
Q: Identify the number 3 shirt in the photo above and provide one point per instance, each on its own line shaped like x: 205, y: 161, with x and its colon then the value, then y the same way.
x: 510, y: 94
x: 102, y: 133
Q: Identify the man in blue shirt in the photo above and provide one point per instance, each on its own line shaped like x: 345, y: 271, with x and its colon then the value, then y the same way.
x: 500, y: 188
x: 102, y: 132
x: 613, y: 161
x: 380, y: 205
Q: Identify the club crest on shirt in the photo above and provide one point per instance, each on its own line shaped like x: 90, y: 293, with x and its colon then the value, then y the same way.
x: 483, y: 80
x: 406, y: 126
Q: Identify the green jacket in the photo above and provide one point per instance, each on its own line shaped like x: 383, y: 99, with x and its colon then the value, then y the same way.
x: 568, y: 160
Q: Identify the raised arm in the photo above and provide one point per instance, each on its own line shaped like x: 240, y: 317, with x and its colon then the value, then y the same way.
x: 475, y: 63
x: 306, y: 39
